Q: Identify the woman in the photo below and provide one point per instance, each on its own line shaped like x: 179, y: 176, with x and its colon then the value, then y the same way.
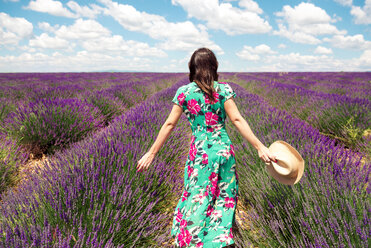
x: 206, y: 211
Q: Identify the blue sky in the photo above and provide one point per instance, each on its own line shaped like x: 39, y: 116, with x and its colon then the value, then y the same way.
x: 160, y: 35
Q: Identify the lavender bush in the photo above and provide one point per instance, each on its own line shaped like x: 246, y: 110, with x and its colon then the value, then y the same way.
x: 109, y: 106
x: 4, y: 110
x: 11, y: 157
x: 46, y: 124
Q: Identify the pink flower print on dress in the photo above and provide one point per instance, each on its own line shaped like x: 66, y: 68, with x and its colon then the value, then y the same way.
x: 210, y: 129
x: 185, y: 195
x: 192, y: 152
x: 181, y: 98
x: 193, y: 139
x: 207, y: 190
x: 184, y: 237
x: 199, y: 198
x: 211, y: 118
x: 209, y: 210
x: 222, y: 82
x: 193, y: 106
x: 216, y: 98
x: 214, y: 183
x: 200, y: 245
x: 216, y: 214
x: 229, y: 202
x: 232, y: 150
x: 230, y: 233
x: 205, y: 159
x: 213, y: 177
x: 215, y: 191
x: 179, y: 216
x: 183, y: 224
x: 189, y: 171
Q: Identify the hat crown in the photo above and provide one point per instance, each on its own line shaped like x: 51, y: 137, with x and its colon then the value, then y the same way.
x: 283, y: 166
x: 290, y: 165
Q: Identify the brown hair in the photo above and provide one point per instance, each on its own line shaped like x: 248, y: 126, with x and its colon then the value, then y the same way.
x: 203, y: 67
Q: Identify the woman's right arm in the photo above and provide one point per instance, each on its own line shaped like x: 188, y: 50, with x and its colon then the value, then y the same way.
x: 243, y: 127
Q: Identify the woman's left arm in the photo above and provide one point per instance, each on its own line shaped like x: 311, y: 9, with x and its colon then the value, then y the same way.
x: 164, y: 133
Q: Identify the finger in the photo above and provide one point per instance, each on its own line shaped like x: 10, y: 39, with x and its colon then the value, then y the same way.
x: 145, y: 165
x: 273, y: 158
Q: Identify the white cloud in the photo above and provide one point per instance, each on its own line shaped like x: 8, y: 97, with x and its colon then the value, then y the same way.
x: 362, y: 15
x: 250, y: 6
x: 56, y: 8
x: 84, y: 11
x: 304, y: 22
x: 254, y: 53
x: 82, y: 30
x: 51, y: 7
x: 365, y: 60
x: 296, y: 36
x: 282, y: 46
x: 45, y: 41
x: 323, y: 50
x: 13, y: 29
x: 345, y: 2
x: 116, y: 44
x: 93, y: 37
x: 247, y: 55
x: 174, y: 36
x: 47, y: 27
x: 356, y: 42
x: 223, y: 16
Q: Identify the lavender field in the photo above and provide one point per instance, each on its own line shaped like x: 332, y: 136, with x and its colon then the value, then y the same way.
x: 69, y: 143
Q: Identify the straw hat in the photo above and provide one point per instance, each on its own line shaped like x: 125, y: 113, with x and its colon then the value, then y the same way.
x: 290, y: 165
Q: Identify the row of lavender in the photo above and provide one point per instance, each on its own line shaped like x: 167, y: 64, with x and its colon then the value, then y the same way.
x: 329, y: 207
x: 41, y: 113
x: 350, y: 84
x: 344, y: 118
x: 90, y: 195
x: 97, y: 88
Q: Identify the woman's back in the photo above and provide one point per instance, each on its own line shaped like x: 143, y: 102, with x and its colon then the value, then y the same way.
x: 207, y: 118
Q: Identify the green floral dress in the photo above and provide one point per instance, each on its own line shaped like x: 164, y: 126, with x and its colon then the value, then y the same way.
x: 205, y: 212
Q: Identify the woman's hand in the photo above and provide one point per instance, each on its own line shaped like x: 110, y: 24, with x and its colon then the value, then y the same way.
x: 145, y: 161
x: 265, y: 155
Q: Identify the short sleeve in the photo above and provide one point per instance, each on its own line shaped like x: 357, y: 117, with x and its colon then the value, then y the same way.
x: 229, y: 92
x: 179, y: 97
